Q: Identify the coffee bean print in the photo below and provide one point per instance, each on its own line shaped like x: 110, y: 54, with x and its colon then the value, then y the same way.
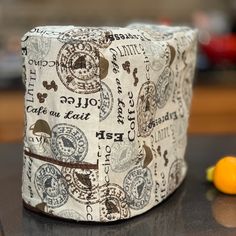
x: 41, y: 97
x: 52, y: 85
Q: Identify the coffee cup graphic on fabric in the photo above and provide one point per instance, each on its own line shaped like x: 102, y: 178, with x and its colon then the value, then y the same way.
x: 42, y: 130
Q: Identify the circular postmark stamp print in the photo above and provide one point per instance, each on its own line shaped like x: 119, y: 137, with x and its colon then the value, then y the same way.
x: 157, y: 33
x: 106, y: 101
x: 82, y: 184
x: 160, y: 54
x: 78, y: 67
x: 98, y: 36
x: 164, y: 87
x: 68, y: 143
x: 180, y: 127
x: 187, y: 88
x: 70, y: 214
x: 38, y: 47
x: 113, y: 203
x: 138, y: 187
x: 146, y: 108
x: 51, y: 185
x: 123, y: 156
x: 175, y: 175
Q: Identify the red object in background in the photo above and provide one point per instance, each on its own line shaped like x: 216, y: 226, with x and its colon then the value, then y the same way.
x: 221, y: 50
x: 164, y: 21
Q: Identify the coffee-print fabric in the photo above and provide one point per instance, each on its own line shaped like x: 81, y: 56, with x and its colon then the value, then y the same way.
x: 106, y: 114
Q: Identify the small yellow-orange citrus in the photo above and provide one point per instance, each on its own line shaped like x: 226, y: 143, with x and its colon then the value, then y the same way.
x: 224, y: 175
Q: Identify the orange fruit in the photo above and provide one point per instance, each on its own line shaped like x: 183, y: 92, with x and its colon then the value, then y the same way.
x: 224, y: 175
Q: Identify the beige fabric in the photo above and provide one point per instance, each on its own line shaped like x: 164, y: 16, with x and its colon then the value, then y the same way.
x: 106, y: 114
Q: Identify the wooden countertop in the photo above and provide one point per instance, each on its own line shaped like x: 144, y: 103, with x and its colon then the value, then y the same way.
x: 213, y: 111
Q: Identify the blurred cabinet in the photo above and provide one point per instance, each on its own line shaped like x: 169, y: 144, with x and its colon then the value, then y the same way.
x: 213, y: 111
x: 11, y: 116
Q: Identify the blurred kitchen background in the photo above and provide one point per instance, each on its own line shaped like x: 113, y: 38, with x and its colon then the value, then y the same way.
x: 214, y: 101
